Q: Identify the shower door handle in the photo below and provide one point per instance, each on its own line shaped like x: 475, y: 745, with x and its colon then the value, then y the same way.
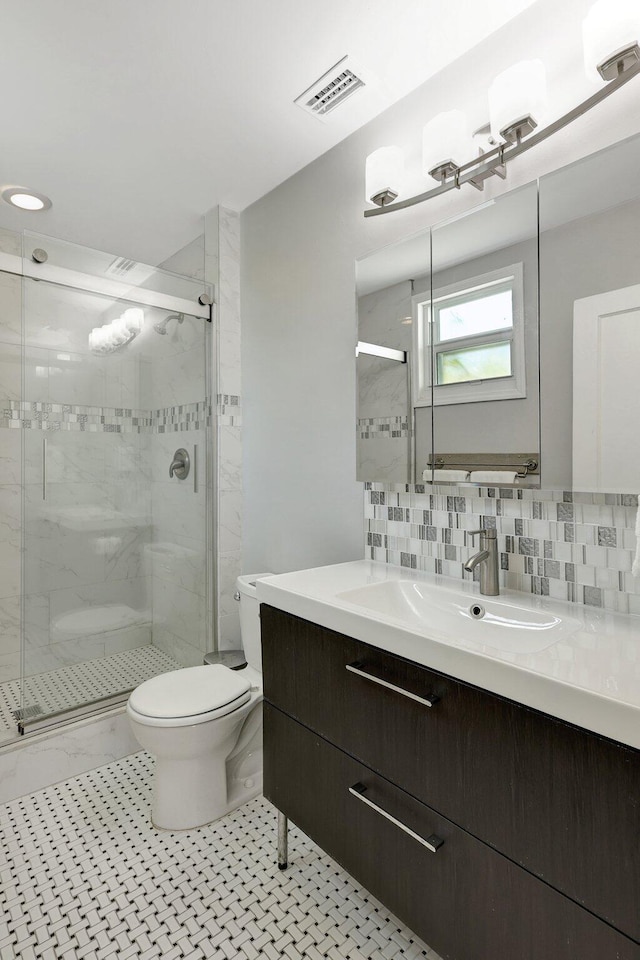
x: 44, y: 468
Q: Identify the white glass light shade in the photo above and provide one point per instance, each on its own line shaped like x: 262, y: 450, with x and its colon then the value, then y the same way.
x: 610, y: 26
x: 445, y: 140
x: 94, y: 339
x: 519, y: 92
x: 384, y: 170
x: 133, y: 318
x: 110, y: 336
x: 120, y: 331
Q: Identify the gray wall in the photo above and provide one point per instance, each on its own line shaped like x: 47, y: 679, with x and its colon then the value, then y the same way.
x: 302, y: 504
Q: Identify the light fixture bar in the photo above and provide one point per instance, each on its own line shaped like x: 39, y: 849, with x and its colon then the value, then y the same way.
x: 375, y: 350
x: 485, y: 165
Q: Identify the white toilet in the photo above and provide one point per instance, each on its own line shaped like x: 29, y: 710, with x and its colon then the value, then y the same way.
x: 204, y: 727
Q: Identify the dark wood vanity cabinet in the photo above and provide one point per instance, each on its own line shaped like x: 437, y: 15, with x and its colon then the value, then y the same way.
x: 540, y: 820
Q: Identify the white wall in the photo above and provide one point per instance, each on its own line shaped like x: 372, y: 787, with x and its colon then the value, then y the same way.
x: 302, y: 504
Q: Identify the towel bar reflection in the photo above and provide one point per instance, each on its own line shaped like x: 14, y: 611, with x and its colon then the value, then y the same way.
x: 524, y: 469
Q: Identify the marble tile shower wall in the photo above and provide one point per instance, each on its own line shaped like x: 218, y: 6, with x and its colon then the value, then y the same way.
x: 177, y: 551
x: 382, y: 385
x: 183, y: 637
x: 570, y: 546
x: 229, y: 429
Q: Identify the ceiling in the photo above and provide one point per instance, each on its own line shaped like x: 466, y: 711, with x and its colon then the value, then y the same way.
x: 137, y: 116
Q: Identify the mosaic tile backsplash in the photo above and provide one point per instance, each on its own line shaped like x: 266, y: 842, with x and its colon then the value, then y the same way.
x: 570, y: 546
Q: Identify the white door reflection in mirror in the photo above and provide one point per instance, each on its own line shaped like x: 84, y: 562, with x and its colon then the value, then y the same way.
x: 606, y: 347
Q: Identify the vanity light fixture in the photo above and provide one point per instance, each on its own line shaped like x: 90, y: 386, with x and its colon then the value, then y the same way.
x: 26, y: 199
x: 610, y: 34
x: 443, y: 138
x: 518, y: 101
x: 384, y: 174
x: 517, y: 108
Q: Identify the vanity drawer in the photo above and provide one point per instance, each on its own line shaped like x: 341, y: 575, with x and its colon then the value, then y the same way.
x: 465, y: 900
x: 562, y: 802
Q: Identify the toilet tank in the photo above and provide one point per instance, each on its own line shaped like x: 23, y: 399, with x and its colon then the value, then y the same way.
x: 250, y: 618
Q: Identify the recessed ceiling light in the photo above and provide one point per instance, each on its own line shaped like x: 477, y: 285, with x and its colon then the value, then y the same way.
x: 26, y: 199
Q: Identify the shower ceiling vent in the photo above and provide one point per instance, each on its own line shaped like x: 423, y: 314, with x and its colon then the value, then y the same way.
x: 332, y: 88
x: 129, y: 271
x: 121, y: 267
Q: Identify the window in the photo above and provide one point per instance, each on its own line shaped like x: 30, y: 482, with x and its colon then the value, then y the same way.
x: 469, y: 340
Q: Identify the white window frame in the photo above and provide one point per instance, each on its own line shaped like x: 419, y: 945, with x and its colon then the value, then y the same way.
x: 471, y: 391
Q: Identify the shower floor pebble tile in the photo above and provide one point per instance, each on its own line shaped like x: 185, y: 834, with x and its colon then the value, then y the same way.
x: 79, y: 683
x: 83, y: 874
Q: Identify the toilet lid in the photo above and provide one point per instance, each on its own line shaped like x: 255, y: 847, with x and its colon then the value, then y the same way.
x: 189, y: 692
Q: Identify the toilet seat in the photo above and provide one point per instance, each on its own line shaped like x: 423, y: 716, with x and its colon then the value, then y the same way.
x: 189, y: 696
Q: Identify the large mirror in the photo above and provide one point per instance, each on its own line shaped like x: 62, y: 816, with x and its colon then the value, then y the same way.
x: 386, y: 283
x: 459, y: 400
x: 590, y: 316
x: 461, y: 300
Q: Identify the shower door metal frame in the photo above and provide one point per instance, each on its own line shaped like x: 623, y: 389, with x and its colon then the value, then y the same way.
x: 102, y: 286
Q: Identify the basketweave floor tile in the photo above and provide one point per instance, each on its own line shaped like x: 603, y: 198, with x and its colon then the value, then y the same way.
x: 85, y: 875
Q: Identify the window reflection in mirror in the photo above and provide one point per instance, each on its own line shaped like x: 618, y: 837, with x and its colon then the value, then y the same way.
x: 482, y: 349
x: 470, y: 328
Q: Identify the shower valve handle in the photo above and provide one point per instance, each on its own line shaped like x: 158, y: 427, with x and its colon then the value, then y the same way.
x: 180, y: 464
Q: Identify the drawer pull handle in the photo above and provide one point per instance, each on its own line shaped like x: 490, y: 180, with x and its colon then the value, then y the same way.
x: 432, y: 843
x: 357, y: 669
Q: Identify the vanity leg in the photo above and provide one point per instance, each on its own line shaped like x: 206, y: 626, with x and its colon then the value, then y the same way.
x: 283, y: 844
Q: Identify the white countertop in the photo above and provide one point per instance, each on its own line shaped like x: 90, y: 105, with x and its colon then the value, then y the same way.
x: 591, y: 678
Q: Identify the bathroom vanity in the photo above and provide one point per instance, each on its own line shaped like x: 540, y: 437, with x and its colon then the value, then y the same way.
x: 490, y: 798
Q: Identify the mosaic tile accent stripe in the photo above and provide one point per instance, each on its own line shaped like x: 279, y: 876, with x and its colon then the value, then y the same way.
x: 29, y: 415
x: 228, y: 410
x: 570, y: 546
x: 382, y: 428
x: 185, y: 416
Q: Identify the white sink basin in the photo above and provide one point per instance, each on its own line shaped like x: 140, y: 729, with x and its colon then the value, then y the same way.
x: 491, y: 621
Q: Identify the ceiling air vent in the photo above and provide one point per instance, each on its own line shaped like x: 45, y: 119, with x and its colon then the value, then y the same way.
x: 120, y: 267
x: 332, y: 88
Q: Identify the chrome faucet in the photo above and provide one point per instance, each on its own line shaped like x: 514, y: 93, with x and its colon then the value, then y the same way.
x: 487, y: 558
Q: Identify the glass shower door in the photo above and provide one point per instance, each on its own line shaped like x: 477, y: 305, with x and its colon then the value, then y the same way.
x: 116, y: 551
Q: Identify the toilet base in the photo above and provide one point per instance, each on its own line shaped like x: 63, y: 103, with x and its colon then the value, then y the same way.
x: 205, y: 770
x: 191, y: 816
x: 188, y: 793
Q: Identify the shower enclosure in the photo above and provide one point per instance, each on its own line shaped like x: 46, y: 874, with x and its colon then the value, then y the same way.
x: 114, y: 418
